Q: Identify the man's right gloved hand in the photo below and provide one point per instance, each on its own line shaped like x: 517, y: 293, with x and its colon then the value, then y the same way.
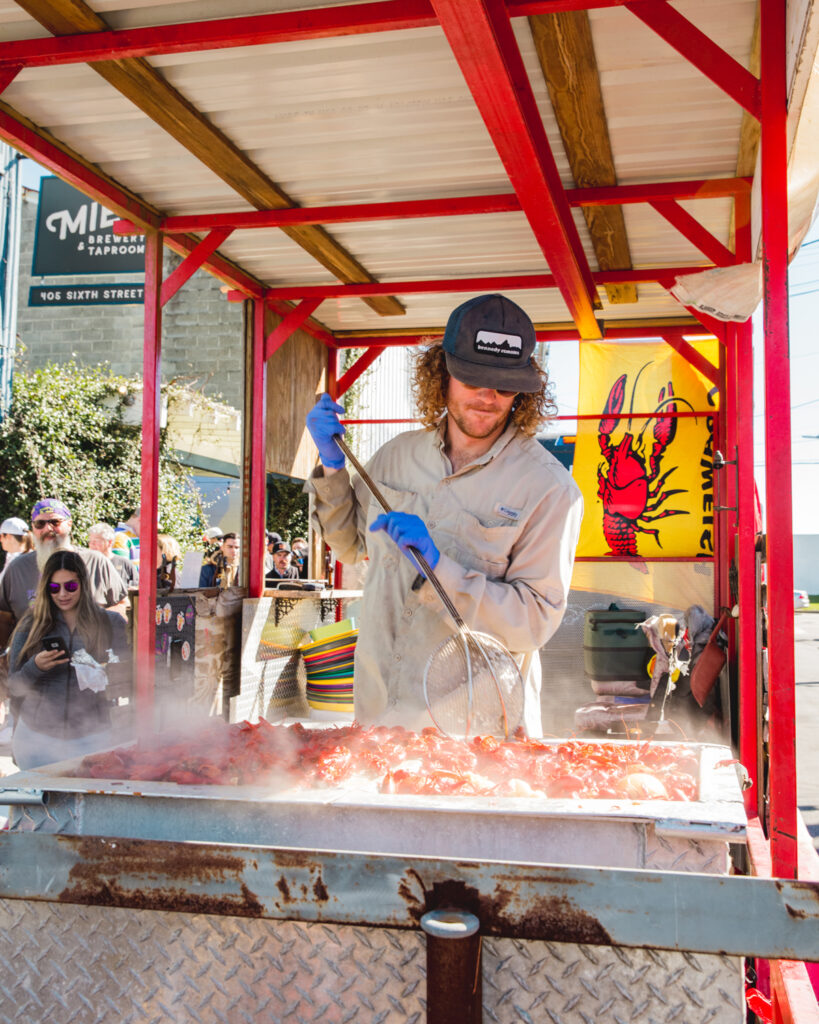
x: 324, y: 425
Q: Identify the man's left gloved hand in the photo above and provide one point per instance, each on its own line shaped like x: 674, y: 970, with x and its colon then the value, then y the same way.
x: 408, y: 531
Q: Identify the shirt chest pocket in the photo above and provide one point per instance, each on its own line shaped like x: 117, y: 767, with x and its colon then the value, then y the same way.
x: 486, y: 546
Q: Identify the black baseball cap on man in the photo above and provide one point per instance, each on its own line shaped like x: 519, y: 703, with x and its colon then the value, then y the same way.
x: 489, y: 342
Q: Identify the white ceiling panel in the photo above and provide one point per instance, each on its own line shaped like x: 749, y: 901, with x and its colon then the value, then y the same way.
x: 388, y: 117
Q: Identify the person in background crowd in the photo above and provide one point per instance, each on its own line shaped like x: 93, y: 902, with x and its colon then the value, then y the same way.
x: 211, y: 538
x: 489, y: 509
x: 101, y: 538
x: 15, y: 538
x: 54, y: 719
x: 51, y: 526
x: 300, y: 550
x: 272, y: 540
x: 168, y: 560
x: 222, y: 569
x: 126, y: 539
x: 282, y: 568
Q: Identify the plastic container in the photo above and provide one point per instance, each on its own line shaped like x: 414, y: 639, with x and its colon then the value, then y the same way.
x: 612, y: 648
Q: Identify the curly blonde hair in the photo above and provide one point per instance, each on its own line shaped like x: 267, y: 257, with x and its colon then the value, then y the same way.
x: 431, y: 381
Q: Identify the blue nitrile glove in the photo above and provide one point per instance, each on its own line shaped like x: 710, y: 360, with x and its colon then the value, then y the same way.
x: 323, y: 424
x: 408, y: 531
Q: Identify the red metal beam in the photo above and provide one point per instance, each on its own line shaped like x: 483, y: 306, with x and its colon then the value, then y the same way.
x: 696, y: 234
x: 689, y: 353
x: 505, y: 202
x: 258, y: 448
x: 698, y: 188
x: 193, y: 262
x: 254, y: 30
x: 91, y: 183
x: 779, y: 510
x: 188, y: 37
x: 292, y: 321
x: 364, y: 362
x: 701, y: 51
x: 245, y: 285
x: 149, y: 486
x: 78, y: 174
x: 468, y: 284
x: 460, y: 206
x: 7, y: 75
x: 481, y: 37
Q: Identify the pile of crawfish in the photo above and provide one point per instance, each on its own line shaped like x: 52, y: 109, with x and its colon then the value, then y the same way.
x: 394, y: 760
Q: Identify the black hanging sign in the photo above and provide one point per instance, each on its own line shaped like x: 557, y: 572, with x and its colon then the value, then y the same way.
x: 74, y: 236
x: 129, y: 293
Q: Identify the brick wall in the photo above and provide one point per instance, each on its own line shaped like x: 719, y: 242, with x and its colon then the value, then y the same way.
x: 201, y: 331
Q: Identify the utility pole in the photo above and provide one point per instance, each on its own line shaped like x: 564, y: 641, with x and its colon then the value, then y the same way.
x: 10, y: 206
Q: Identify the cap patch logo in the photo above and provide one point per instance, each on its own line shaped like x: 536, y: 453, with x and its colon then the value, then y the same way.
x: 497, y: 344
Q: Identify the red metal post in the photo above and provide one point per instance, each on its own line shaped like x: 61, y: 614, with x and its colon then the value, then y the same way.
x: 746, y: 562
x: 728, y: 402
x: 774, y: 165
x: 747, y: 638
x: 258, y: 465
x: 721, y: 486
x: 149, y: 494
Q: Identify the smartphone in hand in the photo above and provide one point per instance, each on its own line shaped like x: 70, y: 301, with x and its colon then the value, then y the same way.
x: 55, y: 643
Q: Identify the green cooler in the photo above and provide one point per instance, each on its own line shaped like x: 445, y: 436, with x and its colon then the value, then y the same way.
x: 612, y: 648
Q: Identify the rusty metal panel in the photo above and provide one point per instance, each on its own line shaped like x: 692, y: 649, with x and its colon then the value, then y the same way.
x: 116, y: 966
x: 595, y: 906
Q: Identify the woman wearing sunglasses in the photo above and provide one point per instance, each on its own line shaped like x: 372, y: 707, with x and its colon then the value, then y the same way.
x: 54, y: 719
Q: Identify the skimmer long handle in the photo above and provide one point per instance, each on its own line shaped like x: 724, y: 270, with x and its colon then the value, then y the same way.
x: 426, y: 569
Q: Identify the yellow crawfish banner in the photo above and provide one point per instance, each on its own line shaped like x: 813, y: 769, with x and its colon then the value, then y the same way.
x: 647, y: 481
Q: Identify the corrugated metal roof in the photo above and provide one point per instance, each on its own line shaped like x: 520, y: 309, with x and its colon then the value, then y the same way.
x: 387, y: 117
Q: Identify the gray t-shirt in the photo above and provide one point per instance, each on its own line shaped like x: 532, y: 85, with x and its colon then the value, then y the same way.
x: 18, y: 584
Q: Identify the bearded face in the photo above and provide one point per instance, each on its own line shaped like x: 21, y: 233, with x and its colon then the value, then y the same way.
x: 51, y: 539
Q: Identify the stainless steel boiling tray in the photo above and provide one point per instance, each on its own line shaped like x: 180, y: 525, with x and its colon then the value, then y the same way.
x: 613, y: 833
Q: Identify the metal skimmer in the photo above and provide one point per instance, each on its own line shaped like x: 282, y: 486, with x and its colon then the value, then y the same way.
x: 472, y: 684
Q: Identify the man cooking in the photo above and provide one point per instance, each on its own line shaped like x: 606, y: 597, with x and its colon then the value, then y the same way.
x: 492, y: 512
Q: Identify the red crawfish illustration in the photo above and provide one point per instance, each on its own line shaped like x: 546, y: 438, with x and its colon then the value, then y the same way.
x: 630, y: 485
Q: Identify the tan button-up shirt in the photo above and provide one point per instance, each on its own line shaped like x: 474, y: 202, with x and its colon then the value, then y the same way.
x: 506, y: 527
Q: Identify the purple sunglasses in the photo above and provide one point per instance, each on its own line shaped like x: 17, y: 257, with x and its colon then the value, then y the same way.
x: 71, y: 586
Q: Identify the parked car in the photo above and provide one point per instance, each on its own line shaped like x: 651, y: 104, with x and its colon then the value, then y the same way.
x: 801, y: 599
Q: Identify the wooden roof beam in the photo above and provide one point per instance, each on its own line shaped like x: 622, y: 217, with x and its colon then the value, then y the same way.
x: 481, y: 38
x: 145, y: 87
x: 566, y: 52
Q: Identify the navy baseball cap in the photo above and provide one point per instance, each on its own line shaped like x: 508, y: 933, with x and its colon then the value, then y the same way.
x: 489, y: 342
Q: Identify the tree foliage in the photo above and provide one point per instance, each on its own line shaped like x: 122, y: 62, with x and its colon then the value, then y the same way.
x: 287, y: 508
x: 68, y: 435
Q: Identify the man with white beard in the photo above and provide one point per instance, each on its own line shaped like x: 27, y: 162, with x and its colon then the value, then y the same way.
x: 51, y: 528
